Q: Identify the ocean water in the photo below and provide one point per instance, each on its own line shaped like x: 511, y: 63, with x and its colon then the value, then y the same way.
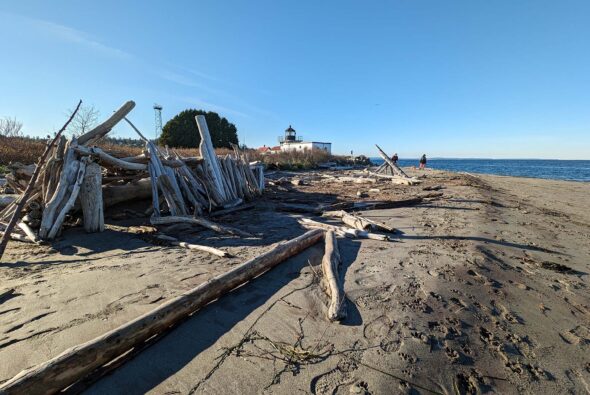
x: 573, y: 170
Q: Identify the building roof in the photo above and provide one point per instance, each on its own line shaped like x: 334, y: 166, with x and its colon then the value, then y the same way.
x: 289, y: 129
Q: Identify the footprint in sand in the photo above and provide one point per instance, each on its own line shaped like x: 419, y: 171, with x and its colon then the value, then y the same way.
x: 578, y: 335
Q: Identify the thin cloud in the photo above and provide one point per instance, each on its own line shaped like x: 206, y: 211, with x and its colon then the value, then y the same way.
x: 68, y: 34
x: 211, y: 106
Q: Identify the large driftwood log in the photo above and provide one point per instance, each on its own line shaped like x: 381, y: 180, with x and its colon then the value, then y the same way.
x: 105, y: 127
x: 330, y: 264
x: 91, y: 199
x: 392, y: 165
x: 202, y: 222
x: 77, y: 362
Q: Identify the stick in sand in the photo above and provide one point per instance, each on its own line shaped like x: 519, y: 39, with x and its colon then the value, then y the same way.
x: 27, y: 192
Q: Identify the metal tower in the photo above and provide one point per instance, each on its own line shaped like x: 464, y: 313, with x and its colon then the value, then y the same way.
x: 158, y: 114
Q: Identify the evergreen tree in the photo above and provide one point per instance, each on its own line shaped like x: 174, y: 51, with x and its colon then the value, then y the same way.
x: 182, y: 131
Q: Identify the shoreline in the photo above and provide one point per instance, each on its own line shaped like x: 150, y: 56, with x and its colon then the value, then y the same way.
x: 485, y: 287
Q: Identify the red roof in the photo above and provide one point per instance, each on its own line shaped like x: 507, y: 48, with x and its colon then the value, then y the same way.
x: 276, y: 148
x: 264, y: 149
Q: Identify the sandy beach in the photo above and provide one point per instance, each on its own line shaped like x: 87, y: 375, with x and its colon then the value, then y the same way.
x: 484, y: 289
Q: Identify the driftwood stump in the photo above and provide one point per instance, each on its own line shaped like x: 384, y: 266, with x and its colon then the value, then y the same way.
x: 91, y: 199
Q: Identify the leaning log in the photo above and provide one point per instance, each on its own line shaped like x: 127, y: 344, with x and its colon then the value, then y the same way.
x: 108, y: 160
x: 391, y: 163
x: 79, y: 361
x: 105, y: 127
x: 334, y: 288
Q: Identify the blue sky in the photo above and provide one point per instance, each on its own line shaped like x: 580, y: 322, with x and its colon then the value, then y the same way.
x: 473, y: 78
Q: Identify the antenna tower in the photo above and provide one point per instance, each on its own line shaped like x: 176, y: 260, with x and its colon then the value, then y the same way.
x: 158, y: 118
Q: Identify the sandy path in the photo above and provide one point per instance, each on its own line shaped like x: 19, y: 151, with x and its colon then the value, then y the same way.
x: 484, y: 290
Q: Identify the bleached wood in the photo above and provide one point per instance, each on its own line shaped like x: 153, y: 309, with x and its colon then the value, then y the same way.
x: 209, y: 157
x: 334, y: 288
x: 358, y: 222
x: 175, y: 242
x: 29, y: 232
x: 107, y: 159
x: 91, y: 199
x: 55, y: 228
x: 79, y: 361
x: 105, y: 127
x: 67, y: 178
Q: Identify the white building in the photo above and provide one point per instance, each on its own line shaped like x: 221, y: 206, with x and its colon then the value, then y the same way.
x: 290, y: 142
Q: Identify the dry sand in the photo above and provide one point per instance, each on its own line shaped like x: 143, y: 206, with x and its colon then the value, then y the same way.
x: 484, y: 290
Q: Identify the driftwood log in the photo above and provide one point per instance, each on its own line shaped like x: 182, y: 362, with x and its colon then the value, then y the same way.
x: 79, y: 361
x: 334, y: 288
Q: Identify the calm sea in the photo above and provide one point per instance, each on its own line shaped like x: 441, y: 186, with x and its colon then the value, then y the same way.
x: 574, y: 170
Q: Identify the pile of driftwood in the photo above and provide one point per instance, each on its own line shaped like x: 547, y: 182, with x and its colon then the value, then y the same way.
x: 76, y: 175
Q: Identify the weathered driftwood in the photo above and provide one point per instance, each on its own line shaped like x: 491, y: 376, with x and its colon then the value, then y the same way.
x: 17, y: 237
x: 202, y: 222
x: 334, y: 288
x: 391, y: 164
x: 210, y: 159
x: 175, y: 242
x: 105, y: 127
x: 358, y: 222
x: 77, y: 362
x: 343, y: 231
x: 53, y: 207
x: 91, y: 199
x: 107, y: 159
x: 29, y: 232
x: 138, y: 190
x: 69, y: 204
x: 31, y: 186
x: 397, y: 179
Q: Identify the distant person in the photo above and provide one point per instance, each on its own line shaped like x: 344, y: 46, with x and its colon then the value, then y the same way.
x: 394, y: 158
x: 423, y: 162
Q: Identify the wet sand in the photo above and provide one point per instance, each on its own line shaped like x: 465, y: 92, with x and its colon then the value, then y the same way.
x: 485, y: 289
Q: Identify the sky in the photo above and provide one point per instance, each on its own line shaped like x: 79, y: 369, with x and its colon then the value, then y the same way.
x: 473, y: 78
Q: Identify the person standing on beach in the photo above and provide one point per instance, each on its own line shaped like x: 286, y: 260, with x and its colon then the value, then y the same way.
x: 394, y: 158
x: 423, y: 162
